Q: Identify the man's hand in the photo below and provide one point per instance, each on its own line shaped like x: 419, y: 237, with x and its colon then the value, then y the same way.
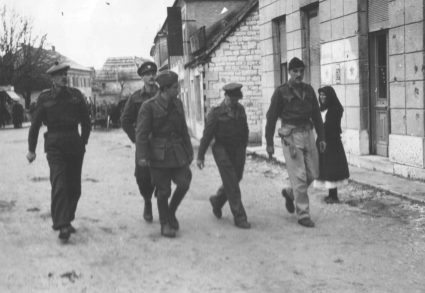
x: 31, y: 156
x: 143, y: 163
x: 322, y: 146
x: 270, y: 151
x: 200, y: 164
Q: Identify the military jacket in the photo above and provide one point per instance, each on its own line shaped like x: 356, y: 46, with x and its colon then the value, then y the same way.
x: 295, y: 107
x: 162, y: 136
x: 131, y: 109
x: 228, y: 127
x: 61, y: 111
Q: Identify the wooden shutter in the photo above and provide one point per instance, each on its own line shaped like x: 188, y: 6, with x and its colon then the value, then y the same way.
x: 378, y: 15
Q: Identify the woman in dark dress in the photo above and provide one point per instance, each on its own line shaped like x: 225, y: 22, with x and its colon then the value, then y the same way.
x: 333, y: 162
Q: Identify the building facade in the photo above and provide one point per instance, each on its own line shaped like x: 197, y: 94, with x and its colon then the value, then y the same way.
x: 372, y: 53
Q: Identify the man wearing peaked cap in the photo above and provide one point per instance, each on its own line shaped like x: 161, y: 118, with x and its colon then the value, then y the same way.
x: 227, y: 123
x: 147, y: 72
x: 163, y: 143
x: 61, y: 109
x: 295, y: 104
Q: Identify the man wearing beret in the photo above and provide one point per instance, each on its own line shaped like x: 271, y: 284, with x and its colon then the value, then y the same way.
x: 227, y: 124
x: 163, y: 143
x: 61, y: 109
x: 147, y: 71
x: 295, y: 103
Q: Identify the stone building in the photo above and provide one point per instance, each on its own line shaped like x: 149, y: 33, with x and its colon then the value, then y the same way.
x: 372, y: 53
x: 220, y: 45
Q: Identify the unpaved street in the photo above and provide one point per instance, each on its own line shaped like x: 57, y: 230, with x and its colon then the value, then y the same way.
x: 373, y: 242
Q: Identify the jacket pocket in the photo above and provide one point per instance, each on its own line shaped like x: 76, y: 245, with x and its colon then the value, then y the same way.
x: 157, y: 148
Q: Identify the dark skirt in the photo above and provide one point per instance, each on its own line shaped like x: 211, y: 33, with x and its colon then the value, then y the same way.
x: 333, y: 162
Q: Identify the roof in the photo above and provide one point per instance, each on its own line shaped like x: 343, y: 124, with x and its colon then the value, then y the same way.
x: 52, y: 55
x: 113, y: 65
x: 220, y: 30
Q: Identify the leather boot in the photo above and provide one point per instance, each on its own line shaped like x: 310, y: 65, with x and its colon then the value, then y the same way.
x: 147, y: 211
x: 163, y: 211
x: 332, y: 197
x: 174, y: 204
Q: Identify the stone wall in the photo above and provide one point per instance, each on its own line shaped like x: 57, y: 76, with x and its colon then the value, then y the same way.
x: 238, y: 59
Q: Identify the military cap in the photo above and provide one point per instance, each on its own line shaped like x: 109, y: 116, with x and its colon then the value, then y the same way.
x: 146, y: 67
x: 233, y: 89
x: 295, y: 63
x: 166, y: 78
x: 57, y: 68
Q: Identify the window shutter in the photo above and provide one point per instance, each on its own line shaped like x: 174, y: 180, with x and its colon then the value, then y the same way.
x: 378, y: 14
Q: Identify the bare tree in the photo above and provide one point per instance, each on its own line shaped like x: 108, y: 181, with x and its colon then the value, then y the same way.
x: 22, y: 58
x: 122, y: 78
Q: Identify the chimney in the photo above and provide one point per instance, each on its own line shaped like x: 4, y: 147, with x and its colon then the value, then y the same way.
x: 53, y: 49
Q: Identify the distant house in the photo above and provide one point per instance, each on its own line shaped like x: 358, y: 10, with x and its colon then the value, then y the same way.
x: 117, y: 79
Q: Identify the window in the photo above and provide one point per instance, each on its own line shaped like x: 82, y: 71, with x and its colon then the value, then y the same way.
x: 279, y: 36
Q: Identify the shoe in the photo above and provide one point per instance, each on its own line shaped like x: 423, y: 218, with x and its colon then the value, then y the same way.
x: 306, y: 222
x: 64, y: 233
x: 147, y: 212
x: 331, y: 200
x: 216, y: 211
x: 173, y: 222
x: 289, y: 204
x: 243, y: 224
x: 168, y: 231
x: 71, y: 229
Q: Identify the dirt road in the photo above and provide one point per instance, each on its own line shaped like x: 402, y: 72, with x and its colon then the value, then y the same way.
x: 372, y: 242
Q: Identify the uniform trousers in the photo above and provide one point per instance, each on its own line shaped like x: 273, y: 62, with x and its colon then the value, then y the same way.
x: 65, y: 179
x: 230, y: 161
x: 144, y: 182
x: 302, y: 169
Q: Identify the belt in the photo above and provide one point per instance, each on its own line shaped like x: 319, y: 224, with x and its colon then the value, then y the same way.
x: 299, y: 128
x: 62, y: 128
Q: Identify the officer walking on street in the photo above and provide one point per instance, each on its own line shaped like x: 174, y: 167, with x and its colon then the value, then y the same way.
x: 61, y: 109
x: 295, y: 103
x: 128, y: 121
x: 163, y: 143
x: 227, y: 123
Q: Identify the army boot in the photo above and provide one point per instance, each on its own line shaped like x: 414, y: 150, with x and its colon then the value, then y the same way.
x: 147, y: 211
x: 174, y: 204
x: 166, y: 229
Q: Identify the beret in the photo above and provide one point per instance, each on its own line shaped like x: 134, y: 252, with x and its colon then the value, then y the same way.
x: 146, y: 67
x: 295, y: 63
x: 58, y: 67
x: 166, y: 78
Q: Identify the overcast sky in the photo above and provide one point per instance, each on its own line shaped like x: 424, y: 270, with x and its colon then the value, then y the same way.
x: 89, y: 31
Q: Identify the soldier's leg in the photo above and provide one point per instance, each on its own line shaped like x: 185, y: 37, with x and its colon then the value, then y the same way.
x: 146, y: 188
x: 74, y: 167
x: 182, y: 178
x: 298, y: 178
x: 59, y: 207
x: 161, y: 178
x: 311, y: 158
x: 230, y: 181
x: 220, y: 198
x: 144, y: 182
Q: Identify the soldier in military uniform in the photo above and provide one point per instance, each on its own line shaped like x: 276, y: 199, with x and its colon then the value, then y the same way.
x: 61, y: 109
x: 295, y: 103
x: 163, y: 143
x: 128, y: 121
x: 227, y: 124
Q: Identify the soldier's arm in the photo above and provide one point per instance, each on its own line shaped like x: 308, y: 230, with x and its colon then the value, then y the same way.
x: 246, y: 128
x: 143, y: 130
x: 186, y: 138
x: 84, y: 120
x: 128, y: 119
x: 37, y: 119
x: 208, y: 134
x: 272, y: 115
x: 316, y: 116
